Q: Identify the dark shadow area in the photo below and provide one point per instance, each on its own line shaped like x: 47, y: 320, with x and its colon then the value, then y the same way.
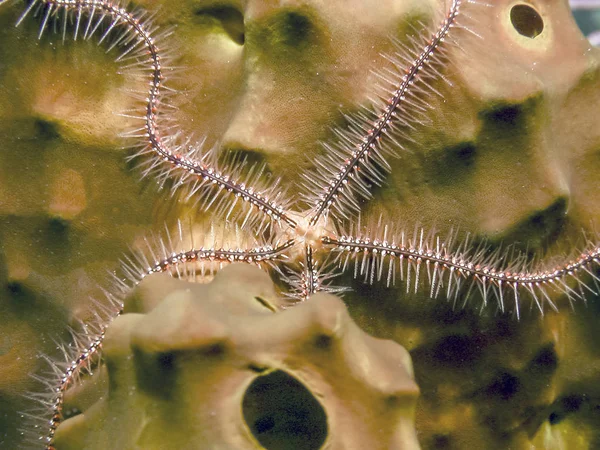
x: 282, y: 414
x: 526, y: 21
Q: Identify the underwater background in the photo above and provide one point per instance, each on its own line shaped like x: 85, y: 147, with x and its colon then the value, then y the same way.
x: 70, y: 204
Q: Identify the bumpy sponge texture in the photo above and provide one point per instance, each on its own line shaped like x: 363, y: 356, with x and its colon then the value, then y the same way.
x: 221, y: 366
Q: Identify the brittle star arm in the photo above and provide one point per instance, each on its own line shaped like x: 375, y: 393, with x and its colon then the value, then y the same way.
x: 309, y: 282
x: 135, y: 270
x: 487, y: 273
x: 358, y: 158
x: 140, y: 46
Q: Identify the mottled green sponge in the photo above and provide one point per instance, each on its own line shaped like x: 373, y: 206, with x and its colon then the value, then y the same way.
x: 509, y: 151
x: 222, y: 366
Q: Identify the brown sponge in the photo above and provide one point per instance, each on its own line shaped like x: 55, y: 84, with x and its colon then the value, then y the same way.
x: 222, y: 366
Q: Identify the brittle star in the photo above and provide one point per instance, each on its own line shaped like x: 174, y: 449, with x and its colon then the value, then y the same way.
x: 332, y: 195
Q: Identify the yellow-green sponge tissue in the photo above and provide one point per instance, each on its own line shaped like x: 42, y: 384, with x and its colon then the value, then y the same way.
x: 506, y: 151
x: 211, y: 366
x: 69, y: 205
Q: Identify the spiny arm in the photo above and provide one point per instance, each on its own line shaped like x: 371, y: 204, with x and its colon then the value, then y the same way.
x: 80, y: 357
x: 449, y: 268
x: 358, y: 158
x: 144, y: 57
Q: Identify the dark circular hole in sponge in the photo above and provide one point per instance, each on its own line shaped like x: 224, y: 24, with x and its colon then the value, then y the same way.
x: 526, y: 20
x: 282, y: 414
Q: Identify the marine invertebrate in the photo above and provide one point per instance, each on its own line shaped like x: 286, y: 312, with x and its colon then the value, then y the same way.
x: 416, y: 255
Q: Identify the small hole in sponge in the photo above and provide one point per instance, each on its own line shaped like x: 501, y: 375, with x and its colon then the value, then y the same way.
x: 264, y: 303
x: 526, y: 21
x: 14, y: 287
x: 282, y: 414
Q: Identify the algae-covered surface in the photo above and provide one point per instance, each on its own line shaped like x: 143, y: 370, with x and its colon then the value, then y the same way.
x: 511, y: 153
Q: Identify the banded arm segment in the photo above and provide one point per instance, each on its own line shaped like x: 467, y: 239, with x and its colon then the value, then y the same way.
x: 358, y: 158
x: 449, y: 270
x: 81, y: 357
x: 139, y: 45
